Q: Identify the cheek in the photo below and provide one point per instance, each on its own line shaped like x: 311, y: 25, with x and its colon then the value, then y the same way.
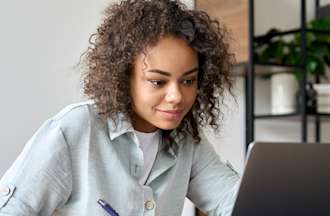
x: 147, y: 96
x: 139, y: 91
x: 191, y: 96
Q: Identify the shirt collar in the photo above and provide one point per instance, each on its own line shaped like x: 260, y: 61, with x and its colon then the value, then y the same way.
x: 174, y: 147
x: 119, y: 126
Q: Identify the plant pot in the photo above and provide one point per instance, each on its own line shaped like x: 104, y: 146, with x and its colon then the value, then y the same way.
x: 284, y: 87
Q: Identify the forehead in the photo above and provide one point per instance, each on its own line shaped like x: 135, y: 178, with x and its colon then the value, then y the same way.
x: 168, y: 54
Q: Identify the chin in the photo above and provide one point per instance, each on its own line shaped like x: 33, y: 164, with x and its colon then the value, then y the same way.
x: 168, y: 126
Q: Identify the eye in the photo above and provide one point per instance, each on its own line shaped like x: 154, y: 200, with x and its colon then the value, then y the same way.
x: 157, y: 83
x: 189, y: 82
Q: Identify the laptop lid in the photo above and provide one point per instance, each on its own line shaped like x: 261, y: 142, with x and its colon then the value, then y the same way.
x: 285, y: 179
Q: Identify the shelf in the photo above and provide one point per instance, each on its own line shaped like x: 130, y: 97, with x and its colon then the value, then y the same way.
x: 275, y: 34
x: 279, y: 65
x: 256, y: 69
x: 261, y: 69
x: 288, y: 32
x: 240, y: 69
x: 318, y: 31
x: 292, y: 116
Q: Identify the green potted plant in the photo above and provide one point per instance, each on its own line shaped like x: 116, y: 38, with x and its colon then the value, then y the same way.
x: 287, y: 51
x: 281, y: 51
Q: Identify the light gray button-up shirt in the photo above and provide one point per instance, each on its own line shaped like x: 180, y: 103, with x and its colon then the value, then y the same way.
x: 75, y: 158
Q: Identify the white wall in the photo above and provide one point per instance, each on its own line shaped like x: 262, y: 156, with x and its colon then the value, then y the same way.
x: 282, y: 14
x: 41, y: 42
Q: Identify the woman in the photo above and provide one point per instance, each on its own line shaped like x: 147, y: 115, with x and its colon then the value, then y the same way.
x: 155, y: 73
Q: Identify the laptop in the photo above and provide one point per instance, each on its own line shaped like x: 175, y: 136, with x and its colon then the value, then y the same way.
x: 285, y: 179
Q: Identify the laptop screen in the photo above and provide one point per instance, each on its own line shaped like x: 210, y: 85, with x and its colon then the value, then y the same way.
x: 285, y: 179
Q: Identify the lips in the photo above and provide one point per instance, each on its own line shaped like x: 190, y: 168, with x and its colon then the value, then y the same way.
x: 171, y: 111
x: 170, y: 114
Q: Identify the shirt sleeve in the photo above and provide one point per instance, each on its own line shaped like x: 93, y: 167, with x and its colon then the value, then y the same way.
x: 213, y: 184
x: 40, y: 180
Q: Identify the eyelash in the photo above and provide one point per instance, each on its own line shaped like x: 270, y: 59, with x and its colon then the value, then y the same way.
x: 159, y: 83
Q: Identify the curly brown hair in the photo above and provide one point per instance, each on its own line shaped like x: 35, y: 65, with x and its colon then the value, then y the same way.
x: 128, y: 28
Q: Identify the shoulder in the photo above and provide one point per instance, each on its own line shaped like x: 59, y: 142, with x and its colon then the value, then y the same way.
x: 78, y: 120
x: 77, y: 116
x: 81, y: 110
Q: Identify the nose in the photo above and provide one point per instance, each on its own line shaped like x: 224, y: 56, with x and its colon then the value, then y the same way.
x: 174, y: 95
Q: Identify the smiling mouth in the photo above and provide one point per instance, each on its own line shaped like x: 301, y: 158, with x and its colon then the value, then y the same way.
x: 171, y: 114
x: 171, y: 111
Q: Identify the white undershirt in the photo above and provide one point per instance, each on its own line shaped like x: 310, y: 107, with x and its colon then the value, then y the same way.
x: 148, y: 143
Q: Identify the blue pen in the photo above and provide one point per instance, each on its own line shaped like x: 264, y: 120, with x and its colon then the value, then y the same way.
x: 107, y: 207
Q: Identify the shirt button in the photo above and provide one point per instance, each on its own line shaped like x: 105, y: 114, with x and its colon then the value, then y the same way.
x: 149, y: 205
x: 5, y: 191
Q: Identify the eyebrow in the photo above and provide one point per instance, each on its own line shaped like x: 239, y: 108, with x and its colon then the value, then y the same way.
x: 165, y: 73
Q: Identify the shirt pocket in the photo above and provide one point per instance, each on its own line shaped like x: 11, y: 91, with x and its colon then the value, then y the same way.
x: 6, y: 192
